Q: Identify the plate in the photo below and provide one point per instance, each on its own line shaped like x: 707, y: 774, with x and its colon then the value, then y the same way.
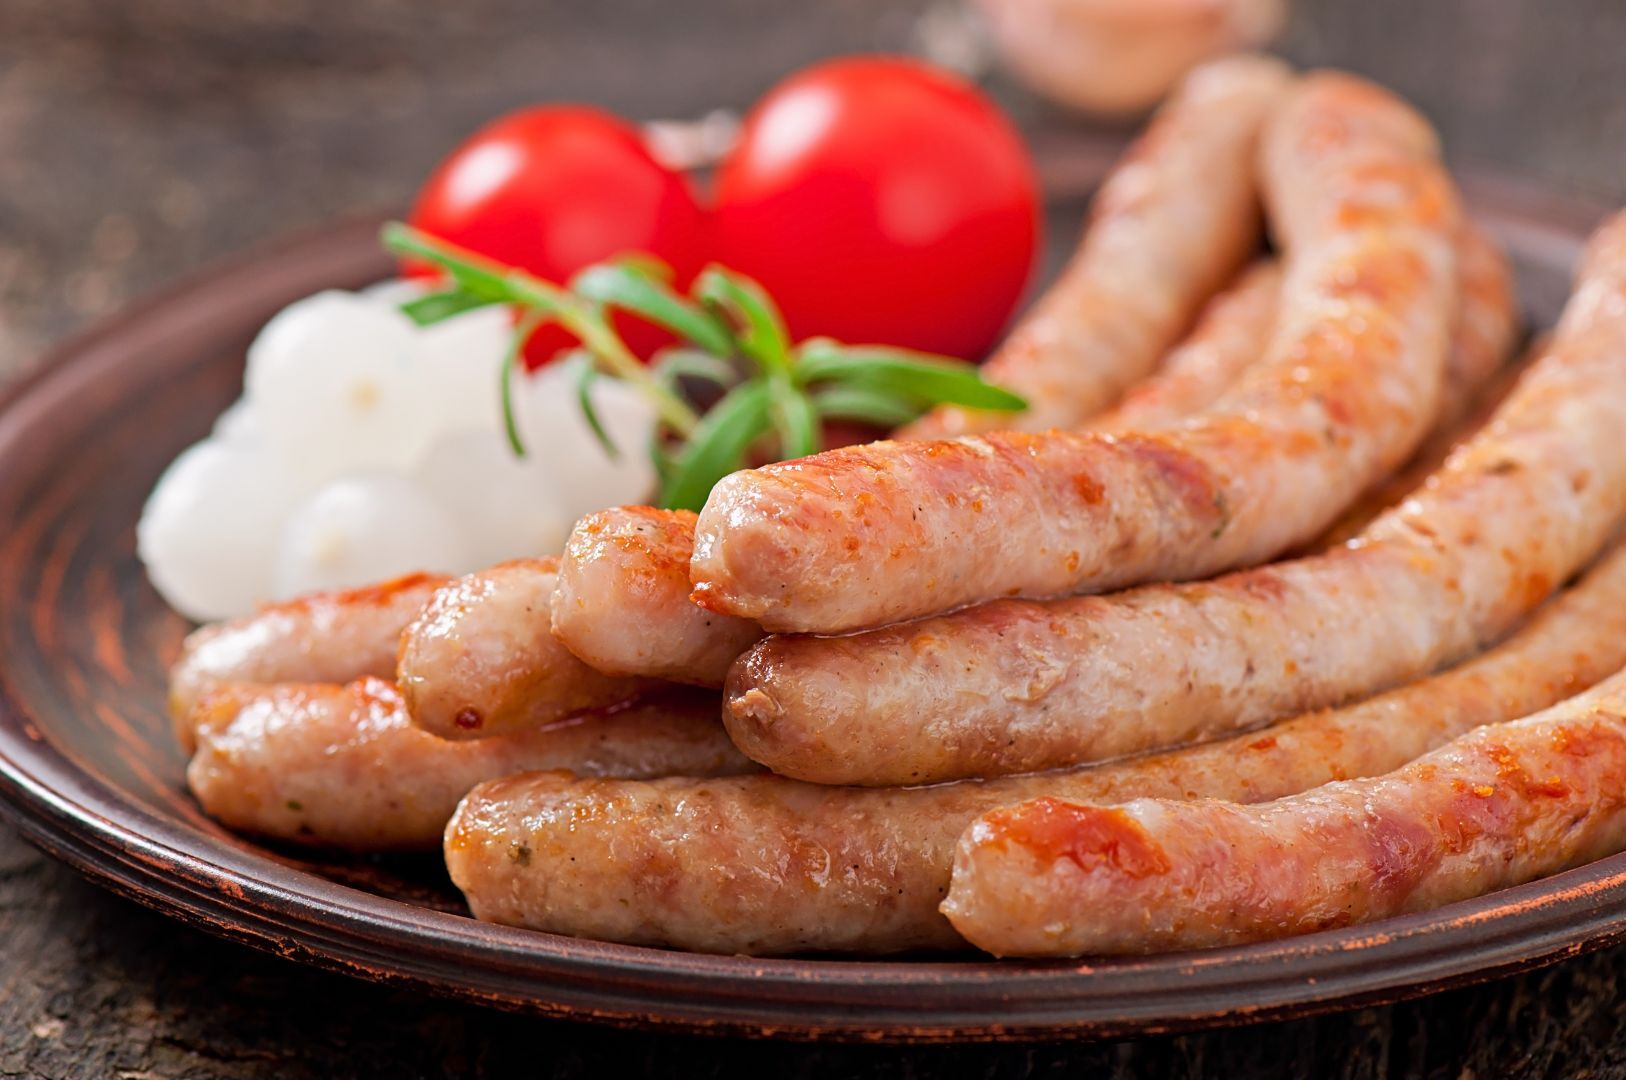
x: 89, y: 772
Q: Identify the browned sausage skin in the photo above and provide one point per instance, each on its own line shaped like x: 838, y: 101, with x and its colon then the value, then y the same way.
x: 343, y: 766
x: 323, y: 637
x: 1478, y: 376
x: 622, y: 600
x: 622, y: 603
x: 1174, y: 222
x: 1499, y: 806
x: 769, y: 865
x: 1232, y: 332
x: 1019, y: 685
x: 867, y: 535
x: 481, y: 658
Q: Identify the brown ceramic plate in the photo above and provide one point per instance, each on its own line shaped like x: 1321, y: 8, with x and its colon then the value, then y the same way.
x: 89, y: 772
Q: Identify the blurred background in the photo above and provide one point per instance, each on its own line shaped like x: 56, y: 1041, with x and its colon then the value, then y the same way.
x: 140, y: 140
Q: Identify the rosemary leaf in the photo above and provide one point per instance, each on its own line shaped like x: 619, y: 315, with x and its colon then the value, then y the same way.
x: 717, y: 446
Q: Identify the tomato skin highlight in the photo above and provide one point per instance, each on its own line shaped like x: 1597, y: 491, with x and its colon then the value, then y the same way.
x: 880, y: 200
x: 553, y: 189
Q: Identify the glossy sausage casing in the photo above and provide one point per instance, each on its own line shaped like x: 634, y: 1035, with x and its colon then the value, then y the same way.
x: 343, y: 766
x: 622, y: 603
x: 481, y: 658
x: 769, y: 865
x: 1171, y: 224
x: 867, y: 535
x: 1019, y: 685
x: 324, y: 637
x: 1497, y: 807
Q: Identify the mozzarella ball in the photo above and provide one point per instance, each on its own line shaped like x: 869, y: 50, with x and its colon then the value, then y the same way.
x: 558, y: 436
x: 509, y: 506
x: 239, y: 425
x: 364, y: 528
x: 332, y: 380
x: 460, y: 363
x: 396, y: 291
x: 208, y: 531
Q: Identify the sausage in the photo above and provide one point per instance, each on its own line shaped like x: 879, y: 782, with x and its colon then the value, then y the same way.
x: 1232, y: 332
x: 480, y: 658
x: 323, y: 637
x: 868, y: 535
x: 1173, y: 222
x: 1500, y: 806
x: 622, y: 600
x: 1478, y: 377
x: 1235, y: 328
x: 769, y: 865
x: 343, y: 766
x: 622, y: 603
x: 1014, y: 686
x: 1430, y: 456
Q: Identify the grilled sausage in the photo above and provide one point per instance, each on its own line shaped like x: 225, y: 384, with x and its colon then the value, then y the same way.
x: 324, y: 637
x: 622, y: 603
x: 1232, y: 332
x: 622, y: 600
x: 1497, y: 807
x: 1173, y: 222
x: 769, y: 865
x: 1019, y: 685
x: 1477, y: 377
x: 343, y: 766
x: 480, y: 658
x: 867, y: 535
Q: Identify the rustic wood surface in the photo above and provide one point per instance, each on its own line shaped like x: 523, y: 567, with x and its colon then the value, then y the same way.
x: 139, y: 141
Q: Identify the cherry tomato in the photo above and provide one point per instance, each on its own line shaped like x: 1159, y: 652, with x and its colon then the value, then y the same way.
x: 882, y: 201
x: 556, y: 188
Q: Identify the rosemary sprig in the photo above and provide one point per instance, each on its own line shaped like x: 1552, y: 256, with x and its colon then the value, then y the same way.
x: 730, y: 335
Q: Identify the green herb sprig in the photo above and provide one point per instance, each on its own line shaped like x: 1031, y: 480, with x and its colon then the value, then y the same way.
x: 730, y: 336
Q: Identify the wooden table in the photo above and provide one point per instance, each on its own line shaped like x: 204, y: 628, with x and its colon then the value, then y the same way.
x: 138, y: 142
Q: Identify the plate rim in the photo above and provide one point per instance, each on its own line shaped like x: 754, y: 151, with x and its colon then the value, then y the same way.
x: 227, y: 888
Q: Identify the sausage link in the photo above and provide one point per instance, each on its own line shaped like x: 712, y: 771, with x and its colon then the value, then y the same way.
x: 1498, y: 807
x: 1477, y: 377
x: 1232, y: 332
x: 343, y: 766
x: 622, y: 600
x: 867, y: 535
x: 769, y: 865
x: 623, y: 606
x: 1014, y: 686
x: 1173, y: 222
x: 323, y: 637
x: 481, y: 660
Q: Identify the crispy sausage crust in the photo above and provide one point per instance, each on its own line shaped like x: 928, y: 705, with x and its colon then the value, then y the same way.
x: 622, y: 600
x: 343, y: 766
x: 1497, y: 807
x: 1174, y: 221
x: 481, y: 659
x: 1019, y: 685
x: 323, y: 637
x: 1232, y: 332
x: 1478, y: 377
x: 622, y: 603
x: 769, y: 865
x: 867, y: 535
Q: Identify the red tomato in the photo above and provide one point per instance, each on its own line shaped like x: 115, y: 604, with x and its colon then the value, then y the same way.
x: 882, y: 201
x: 557, y: 188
